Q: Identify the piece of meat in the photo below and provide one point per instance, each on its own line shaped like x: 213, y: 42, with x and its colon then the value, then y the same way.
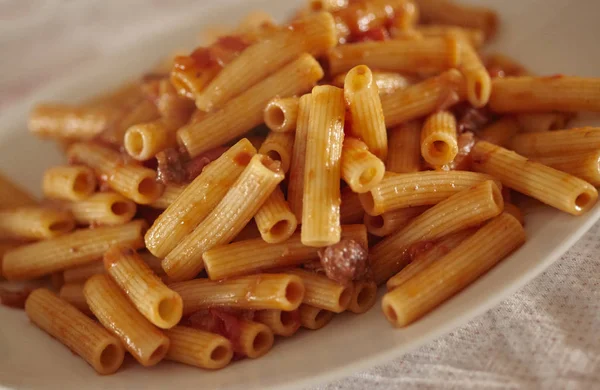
x: 345, y: 261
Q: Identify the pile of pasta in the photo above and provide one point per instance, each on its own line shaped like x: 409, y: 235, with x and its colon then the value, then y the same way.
x: 219, y: 201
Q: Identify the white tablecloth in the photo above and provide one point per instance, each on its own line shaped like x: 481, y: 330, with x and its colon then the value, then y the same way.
x: 544, y: 336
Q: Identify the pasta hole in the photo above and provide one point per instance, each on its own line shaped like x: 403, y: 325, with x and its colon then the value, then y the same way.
x: 582, y: 201
x: 345, y: 297
x: 439, y: 148
x: 280, y: 228
x: 148, y: 187
x: 219, y: 353
x: 111, y: 356
x: 120, y: 208
x: 134, y: 143
x: 169, y: 310
x: 262, y: 341
x: 158, y: 354
x: 83, y: 183
x: 61, y: 226
x: 287, y: 318
x: 367, y: 201
x: 275, y: 156
x: 367, y: 176
x: 275, y: 117
x: 365, y: 295
x: 294, y: 292
x: 377, y: 221
x: 322, y: 316
x: 271, y: 163
x: 390, y: 313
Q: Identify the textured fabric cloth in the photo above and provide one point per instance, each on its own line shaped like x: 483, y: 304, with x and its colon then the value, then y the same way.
x: 544, y: 336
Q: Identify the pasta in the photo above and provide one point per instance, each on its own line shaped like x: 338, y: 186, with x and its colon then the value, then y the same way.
x: 295, y: 189
x: 387, y: 223
x: 75, y: 330
x: 34, y: 223
x: 315, y: 34
x: 560, y: 142
x: 234, y: 211
x: 116, y: 313
x: 245, y: 111
x: 322, y: 292
x: 437, y: 54
x: 401, y: 190
x: 439, y: 145
x: 279, y: 146
x: 404, y: 148
x: 103, y: 208
x: 198, y: 348
x: 423, y: 98
x: 275, y: 220
x: 256, y: 255
x: 287, y: 171
x: 198, y: 199
x: 548, y: 185
x: 362, y: 98
x: 453, y: 272
x: 361, y: 169
x: 313, y: 317
x: 78, y: 248
x: 281, y: 323
x: 464, y: 209
x: 281, y: 115
x: 130, y: 180
x: 256, y: 292
x: 155, y: 301
x: 321, y: 200
x: 68, y: 183
x: 543, y: 94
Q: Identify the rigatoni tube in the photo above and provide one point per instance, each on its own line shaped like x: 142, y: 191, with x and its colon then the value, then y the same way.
x: 543, y: 94
x: 585, y: 166
x: 34, y: 223
x: 559, y: 142
x: 245, y: 111
x: 364, y: 296
x: 256, y: 292
x: 275, y: 220
x: 78, y: 248
x: 402, y: 190
x: 362, y: 99
x: 255, y: 255
x: 75, y: 330
x: 453, y: 272
x: 322, y: 292
x: 314, y: 34
x: 361, y: 169
x: 110, y: 305
x: 439, y: 145
x: 103, y: 208
x: 389, y: 222
x: 295, y: 190
x: 279, y: 147
x: 155, y: 301
x: 281, y: 115
x: 129, y: 179
x: 252, y: 188
x: 281, y: 323
x: 198, y: 348
x: 465, y: 209
x: 198, y: 199
x: 426, y: 97
x: 313, y: 317
x: 404, y: 150
x: 321, y: 200
x: 548, y: 185
x: 68, y: 183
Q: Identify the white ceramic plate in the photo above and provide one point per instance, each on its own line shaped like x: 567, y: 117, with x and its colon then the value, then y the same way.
x: 550, y: 36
